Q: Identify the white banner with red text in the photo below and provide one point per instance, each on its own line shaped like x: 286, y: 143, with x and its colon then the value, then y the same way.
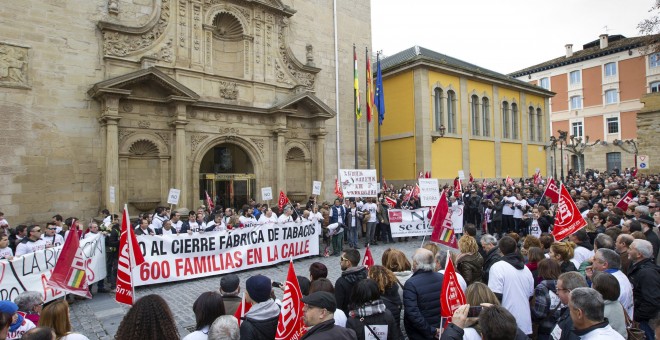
x: 183, y: 257
x: 32, y: 271
x: 407, y: 223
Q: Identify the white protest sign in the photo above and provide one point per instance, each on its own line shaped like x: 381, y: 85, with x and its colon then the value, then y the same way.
x: 267, y: 193
x: 429, y: 192
x: 173, y: 196
x: 359, y: 183
x: 316, y: 188
x: 643, y: 162
x: 111, y: 192
x: 461, y: 175
x: 457, y: 218
x: 406, y: 223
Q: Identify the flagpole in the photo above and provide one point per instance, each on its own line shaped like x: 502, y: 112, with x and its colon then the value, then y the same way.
x: 355, y: 109
x: 369, y: 104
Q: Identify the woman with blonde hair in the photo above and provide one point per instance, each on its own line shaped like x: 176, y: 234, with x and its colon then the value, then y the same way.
x: 388, y: 286
x: 469, y: 262
x: 56, y: 316
x: 562, y: 252
x: 396, y: 261
x: 432, y: 247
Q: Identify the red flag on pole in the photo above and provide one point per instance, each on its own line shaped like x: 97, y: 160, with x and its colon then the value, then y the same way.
x: 242, y: 309
x: 427, y: 175
x: 415, y: 191
x: 421, y: 174
x: 509, y: 181
x: 551, y: 190
x: 290, y: 324
x: 390, y: 201
x: 209, y: 202
x: 384, y: 184
x: 283, y: 200
x: 70, y: 273
x: 634, y: 173
x: 471, y: 178
x: 625, y: 201
x: 483, y: 186
x: 568, y: 219
x: 451, y: 296
x: 130, y: 257
x: 368, y: 259
x: 338, y: 191
x: 443, y: 231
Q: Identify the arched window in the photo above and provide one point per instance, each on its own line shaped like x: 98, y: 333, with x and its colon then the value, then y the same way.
x: 514, y: 121
x: 539, y: 124
x: 485, y: 115
x: 505, y: 119
x: 532, y: 124
x: 475, y: 115
x: 451, y: 111
x: 439, y: 113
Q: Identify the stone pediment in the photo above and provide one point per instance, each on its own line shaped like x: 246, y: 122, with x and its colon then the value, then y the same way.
x: 304, y: 105
x: 149, y: 83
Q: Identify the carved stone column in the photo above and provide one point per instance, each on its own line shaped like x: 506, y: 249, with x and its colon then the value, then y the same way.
x: 320, y: 154
x: 180, y: 172
x: 280, y: 162
x: 109, y: 120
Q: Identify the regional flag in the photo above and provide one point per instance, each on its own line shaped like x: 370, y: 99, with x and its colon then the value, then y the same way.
x: 568, y: 219
x: 370, y: 91
x: 282, y: 201
x: 379, y: 97
x: 290, y: 325
x: 451, y: 296
x: 625, y: 201
x: 356, y: 87
x: 70, y: 273
x: 130, y: 257
x: 443, y: 231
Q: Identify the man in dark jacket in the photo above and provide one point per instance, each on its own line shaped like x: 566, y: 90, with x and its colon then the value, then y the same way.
x: 645, y: 279
x: 489, y: 244
x: 318, y: 314
x: 352, y: 272
x: 421, y: 300
x: 112, y: 254
x: 260, y: 322
x: 565, y: 284
x: 647, y: 228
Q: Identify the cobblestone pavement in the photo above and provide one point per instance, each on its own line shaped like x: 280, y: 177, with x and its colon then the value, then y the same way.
x: 99, y: 317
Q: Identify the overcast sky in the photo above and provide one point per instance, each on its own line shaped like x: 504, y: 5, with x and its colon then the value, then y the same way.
x: 501, y: 35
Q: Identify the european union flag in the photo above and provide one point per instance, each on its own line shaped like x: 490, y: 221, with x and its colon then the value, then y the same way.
x: 379, y: 97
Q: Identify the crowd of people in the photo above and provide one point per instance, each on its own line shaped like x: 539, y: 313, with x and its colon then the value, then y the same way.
x: 602, y: 282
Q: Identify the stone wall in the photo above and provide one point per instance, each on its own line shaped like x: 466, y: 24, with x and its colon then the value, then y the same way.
x: 648, y: 128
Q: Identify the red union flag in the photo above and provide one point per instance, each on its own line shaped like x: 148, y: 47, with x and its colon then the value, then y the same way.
x: 443, y: 231
x: 209, y: 202
x: 390, y: 201
x: 129, y: 258
x: 568, y: 219
x: 451, y: 296
x: 368, y: 259
x: 457, y: 187
x: 338, y: 191
x: 242, y: 309
x: 551, y: 191
x: 625, y: 201
x: 282, y: 201
x: 290, y: 324
x: 70, y: 273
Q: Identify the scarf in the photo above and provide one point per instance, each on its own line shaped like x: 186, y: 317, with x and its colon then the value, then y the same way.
x: 16, y: 325
x: 369, y: 308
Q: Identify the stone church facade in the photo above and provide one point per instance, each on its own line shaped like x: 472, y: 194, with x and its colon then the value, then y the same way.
x: 113, y: 102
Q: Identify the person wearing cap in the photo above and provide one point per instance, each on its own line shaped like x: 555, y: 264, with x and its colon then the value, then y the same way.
x: 260, y: 322
x: 229, y: 289
x: 318, y: 315
x: 647, y: 228
x: 19, y: 324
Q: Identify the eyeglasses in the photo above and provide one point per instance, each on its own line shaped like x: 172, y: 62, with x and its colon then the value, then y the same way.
x: 52, y: 228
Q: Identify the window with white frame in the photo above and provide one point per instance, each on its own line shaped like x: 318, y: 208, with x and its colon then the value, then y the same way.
x: 576, y: 102
x: 654, y: 60
x: 439, y: 114
x: 575, y: 77
x: 451, y: 111
x: 655, y: 86
x: 610, y: 69
x: 545, y: 83
x: 612, y: 124
x: 611, y: 96
x: 577, y: 129
x: 514, y: 121
x: 485, y: 115
x: 475, y: 115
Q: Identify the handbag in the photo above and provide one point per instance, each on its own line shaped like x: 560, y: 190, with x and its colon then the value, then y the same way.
x: 632, y: 327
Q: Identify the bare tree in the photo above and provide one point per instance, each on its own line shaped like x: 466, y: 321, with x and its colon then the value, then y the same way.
x: 650, y: 28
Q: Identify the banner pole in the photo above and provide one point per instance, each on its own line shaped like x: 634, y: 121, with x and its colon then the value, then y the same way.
x: 368, y: 104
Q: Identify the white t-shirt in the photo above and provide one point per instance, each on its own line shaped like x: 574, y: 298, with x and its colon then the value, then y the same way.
x: 74, y: 336
x: 4, y: 252
x: 284, y: 218
x: 518, y: 213
x: 581, y: 254
x: 535, y: 229
x: 172, y: 231
x: 371, y: 208
x: 157, y: 221
x: 18, y: 333
x: 263, y: 219
x: 56, y: 240
x: 516, y: 287
x: 30, y: 247
x: 340, y: 318
x: 626, y: 295
x: 247, y: 221
x: 507, y: 210
x: 175, y: 225
x: 202, y: 334
x: 91, y: 234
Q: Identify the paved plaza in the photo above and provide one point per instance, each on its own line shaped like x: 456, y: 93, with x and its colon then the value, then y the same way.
x: 99, y: 317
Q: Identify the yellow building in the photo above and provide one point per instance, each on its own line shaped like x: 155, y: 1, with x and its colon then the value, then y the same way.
x: 445, y: 115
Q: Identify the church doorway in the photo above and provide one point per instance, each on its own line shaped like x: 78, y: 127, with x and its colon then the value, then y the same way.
x: 227, y: 174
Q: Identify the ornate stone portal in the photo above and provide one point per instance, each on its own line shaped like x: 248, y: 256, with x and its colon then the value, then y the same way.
x: 207, y: 73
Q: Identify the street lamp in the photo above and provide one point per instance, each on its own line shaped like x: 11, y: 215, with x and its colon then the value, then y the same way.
x: 553, y: 147
x: 562, y: 142
x: 441, y: 130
